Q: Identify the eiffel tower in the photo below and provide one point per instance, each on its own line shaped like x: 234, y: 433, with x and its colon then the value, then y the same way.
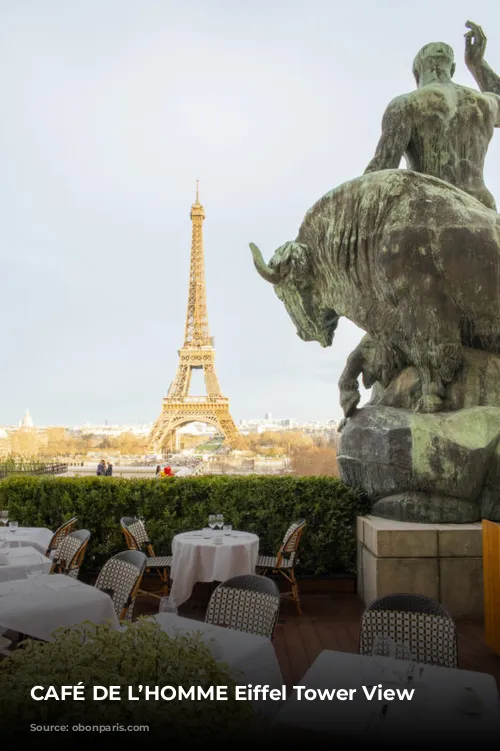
x: 197, y: 353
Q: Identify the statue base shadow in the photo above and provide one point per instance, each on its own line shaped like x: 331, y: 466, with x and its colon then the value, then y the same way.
x: 440, y: 468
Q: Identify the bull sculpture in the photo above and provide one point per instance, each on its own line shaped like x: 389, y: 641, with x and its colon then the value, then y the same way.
x: 410, y: 259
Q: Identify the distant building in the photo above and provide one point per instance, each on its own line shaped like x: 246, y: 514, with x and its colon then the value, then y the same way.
x: 27, y: 421
x: 4, y: 442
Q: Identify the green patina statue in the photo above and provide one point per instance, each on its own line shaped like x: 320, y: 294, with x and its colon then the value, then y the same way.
x: 409, y: 259
x: 442, y: 129
x: 412, y: 257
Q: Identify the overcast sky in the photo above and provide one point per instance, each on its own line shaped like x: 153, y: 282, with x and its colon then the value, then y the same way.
x: 111, y: 109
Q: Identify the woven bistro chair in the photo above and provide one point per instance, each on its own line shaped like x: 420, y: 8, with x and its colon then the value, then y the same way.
x: 248, y: 603
x: 70, y: 554
x: 285, y: 560
x: 64, y: 530
x: 420, y: 622
x: 120, y: 578
x: 137, y: 538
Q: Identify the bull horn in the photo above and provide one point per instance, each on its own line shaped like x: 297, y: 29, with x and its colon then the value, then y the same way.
x: 266, y: 273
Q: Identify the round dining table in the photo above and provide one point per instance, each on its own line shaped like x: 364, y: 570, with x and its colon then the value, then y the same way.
x: 198, y: 557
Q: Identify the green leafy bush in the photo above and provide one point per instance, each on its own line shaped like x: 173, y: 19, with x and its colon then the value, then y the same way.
x: 264, y: 505
x: 142, y: 654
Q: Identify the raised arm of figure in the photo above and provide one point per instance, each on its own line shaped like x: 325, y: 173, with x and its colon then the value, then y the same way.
x: 396, y: 131
x: 475, y: 47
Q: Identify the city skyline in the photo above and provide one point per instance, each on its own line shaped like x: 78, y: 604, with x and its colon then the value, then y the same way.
x: 115, y: 110
x: 28, y: 422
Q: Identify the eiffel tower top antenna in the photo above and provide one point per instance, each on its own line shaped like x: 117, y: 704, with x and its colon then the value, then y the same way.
x: 197, y: 332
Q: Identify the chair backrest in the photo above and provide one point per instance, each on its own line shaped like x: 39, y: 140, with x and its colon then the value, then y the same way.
x: 60, y: 534
x: 422, y: 623
x: 70, y: 553
x: 248, y: 603
x: 136, y: 535
x: 290, y: 545
x: 120, y: 577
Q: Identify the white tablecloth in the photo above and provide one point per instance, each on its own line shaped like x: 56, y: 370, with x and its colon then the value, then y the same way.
x: 36, y: 607
x: 250, y: 655
x: 197, y: 559
x: 18, y: 559
x: 436, y: 712
x: 35, y: 537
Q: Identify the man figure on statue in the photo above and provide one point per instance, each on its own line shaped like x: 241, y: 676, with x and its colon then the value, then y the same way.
x: 442, y: 129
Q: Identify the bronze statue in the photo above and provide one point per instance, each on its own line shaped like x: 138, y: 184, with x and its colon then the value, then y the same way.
x: 412, y: 257
x: 375, y: 363
x: 442, y: 129
x: 409, y: 259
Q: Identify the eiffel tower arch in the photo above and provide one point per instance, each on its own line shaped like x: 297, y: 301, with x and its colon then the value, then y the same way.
x: 197, y: 353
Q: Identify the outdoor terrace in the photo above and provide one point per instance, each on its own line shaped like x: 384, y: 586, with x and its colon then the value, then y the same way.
x: 331, y: 620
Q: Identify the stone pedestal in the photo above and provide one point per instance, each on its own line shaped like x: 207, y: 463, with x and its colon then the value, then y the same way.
x: 442, y: 561
x: 441, y: 468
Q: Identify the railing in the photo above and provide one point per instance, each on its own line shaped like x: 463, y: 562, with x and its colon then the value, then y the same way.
x: 197, y: 400
x: 45, y: 469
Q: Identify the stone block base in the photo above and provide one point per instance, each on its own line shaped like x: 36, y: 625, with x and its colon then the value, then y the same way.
x: 442, y: 561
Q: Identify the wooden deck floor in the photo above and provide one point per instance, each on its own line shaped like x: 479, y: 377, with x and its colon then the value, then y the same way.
x: 331, y: 621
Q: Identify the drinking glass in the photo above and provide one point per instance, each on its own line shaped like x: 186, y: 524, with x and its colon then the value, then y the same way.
x: 403, y: 652
x: 13, y: 526
x: 227, y: 529
x: 168, y: 605
x: 207, y: 533
x: 212, y: 521
x: 383, y: 646
x: 220, y: 521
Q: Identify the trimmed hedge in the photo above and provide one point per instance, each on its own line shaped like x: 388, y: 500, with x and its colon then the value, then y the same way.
x: 264, y: 505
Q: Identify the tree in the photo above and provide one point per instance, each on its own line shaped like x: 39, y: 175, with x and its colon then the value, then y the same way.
x: 129, y: 443
x: 314, y: 460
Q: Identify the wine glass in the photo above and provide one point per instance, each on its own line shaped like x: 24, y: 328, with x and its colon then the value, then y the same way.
x: 403, y: 652
x: 4, y: 517
x: 220, y: 521
x: 168, y: 605
x: 212, y: 521
x: 383, y: 646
